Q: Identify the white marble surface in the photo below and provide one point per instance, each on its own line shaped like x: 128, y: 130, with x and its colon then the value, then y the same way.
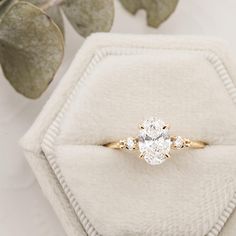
x: 23, y: 209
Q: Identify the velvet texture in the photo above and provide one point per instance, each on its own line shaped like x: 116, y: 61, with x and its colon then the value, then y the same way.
x: 114, y: 83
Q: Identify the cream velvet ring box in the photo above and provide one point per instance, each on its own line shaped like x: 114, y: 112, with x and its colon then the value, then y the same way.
x: 114, y: 82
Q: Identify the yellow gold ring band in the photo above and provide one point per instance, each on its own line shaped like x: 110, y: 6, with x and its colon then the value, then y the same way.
x: 154, y: 142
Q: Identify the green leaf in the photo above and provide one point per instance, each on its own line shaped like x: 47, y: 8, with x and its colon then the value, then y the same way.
x: 88, y: 16
x: 31, y: 49
x: 52, y: 10
x: 157, y: 10
x: 55, y: 14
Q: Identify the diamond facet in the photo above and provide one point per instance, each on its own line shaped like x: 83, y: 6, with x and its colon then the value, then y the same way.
x: 154, y: 141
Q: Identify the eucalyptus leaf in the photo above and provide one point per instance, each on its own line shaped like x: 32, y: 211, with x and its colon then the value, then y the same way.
x: 53, y: 11
x: 88, y: 16
x: 157, y: 10
x: 4, y: 5
x: 31, y: 48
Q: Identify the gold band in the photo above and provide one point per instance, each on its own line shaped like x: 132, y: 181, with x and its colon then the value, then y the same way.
x: 114, y: 145
x: 197, y: 144
x: 154, y: 142
x: 187, y: 143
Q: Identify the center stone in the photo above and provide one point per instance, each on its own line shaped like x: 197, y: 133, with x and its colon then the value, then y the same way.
x: 154, y: 141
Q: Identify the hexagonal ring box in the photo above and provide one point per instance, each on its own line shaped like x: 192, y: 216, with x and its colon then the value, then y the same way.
x: 114, y: 82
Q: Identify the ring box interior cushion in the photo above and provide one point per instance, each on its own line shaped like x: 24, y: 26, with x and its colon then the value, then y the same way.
x: 114, y: 82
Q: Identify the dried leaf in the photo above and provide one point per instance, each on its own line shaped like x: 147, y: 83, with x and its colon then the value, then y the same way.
x: 88, y: 16
x: 55, y: 14
x: 157, y: 10
x: 53, y: 11
x: 31, y: 48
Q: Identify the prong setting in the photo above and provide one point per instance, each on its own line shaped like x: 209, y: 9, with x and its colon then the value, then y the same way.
x: 167, y: 126
x: 141, y: 156
x: 167, y: 155
x: 141, y: 126
x: 122, y: 144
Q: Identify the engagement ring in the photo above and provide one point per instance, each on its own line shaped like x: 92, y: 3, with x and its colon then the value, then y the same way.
x: 154, y: 142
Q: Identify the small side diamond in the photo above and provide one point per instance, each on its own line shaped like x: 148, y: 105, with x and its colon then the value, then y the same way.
x: 130, y: 144
x: 179, y: 142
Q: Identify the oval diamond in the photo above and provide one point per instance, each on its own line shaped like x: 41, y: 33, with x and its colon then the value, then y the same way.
x: 154, y: 141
